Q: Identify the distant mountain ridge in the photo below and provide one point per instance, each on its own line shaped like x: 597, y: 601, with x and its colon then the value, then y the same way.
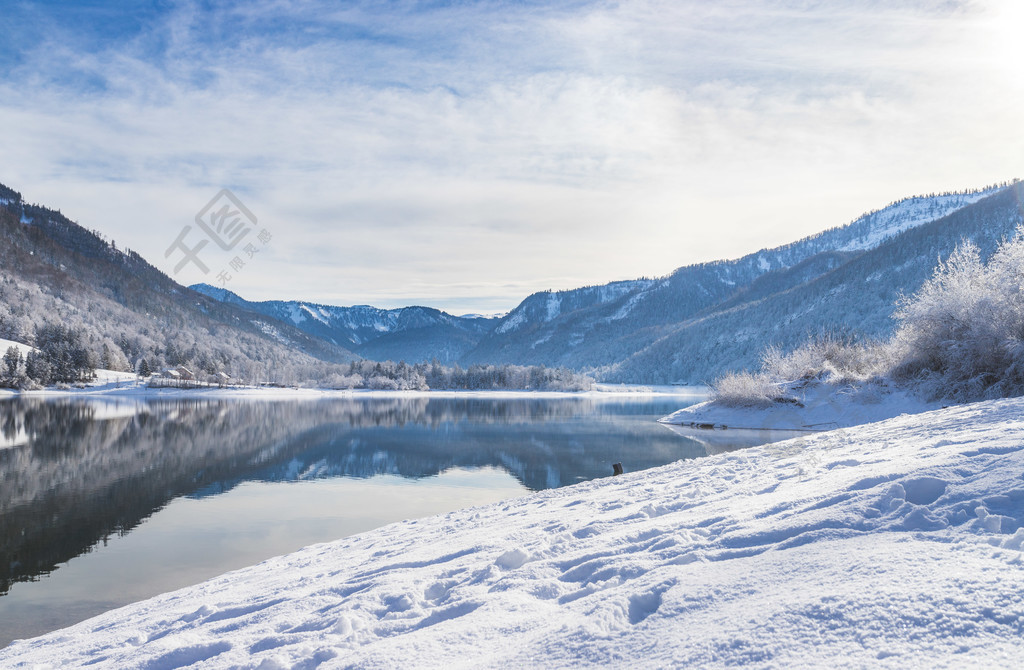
x: 695, y: 323
x: 600, y: 327
x: 689, y: 326
x: 856, y: 297
x: 412, y: 334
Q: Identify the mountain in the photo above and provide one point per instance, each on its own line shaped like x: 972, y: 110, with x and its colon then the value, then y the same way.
x: 688, y: 326
x: 53, y: 270
x: 856, y: 298
x: 413, y: 334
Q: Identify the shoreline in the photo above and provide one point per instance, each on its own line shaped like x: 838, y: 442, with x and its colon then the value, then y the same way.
x: 127, y: 390
x: 810, y: 408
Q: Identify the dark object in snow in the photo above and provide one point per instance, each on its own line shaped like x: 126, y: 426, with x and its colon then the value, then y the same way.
x: 616, y: 468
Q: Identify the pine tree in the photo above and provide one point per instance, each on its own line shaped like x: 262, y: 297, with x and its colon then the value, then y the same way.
x: 37, y: 368
x: 12, y: 360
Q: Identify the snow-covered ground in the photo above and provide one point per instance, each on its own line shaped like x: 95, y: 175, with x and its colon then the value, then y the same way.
x: 819, y: 406
x: 895, y: 544
x: 7, y: 344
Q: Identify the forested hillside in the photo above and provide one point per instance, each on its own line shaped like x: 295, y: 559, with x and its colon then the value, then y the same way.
x: 856, y: 298
x: 707, y: 318
x: 77, y: 293
x: 123, y: 313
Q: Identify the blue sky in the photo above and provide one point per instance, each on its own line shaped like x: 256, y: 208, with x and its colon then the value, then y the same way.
x: 465, y: 154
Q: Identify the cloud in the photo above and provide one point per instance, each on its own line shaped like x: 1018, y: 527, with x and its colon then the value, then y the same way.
x: 465, y: 155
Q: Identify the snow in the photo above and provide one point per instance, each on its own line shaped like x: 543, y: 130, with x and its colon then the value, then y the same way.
x: 906, y: 214
x: 626, y: 308
x: 108, y: 383
x: 295, y: 314
x: 316, y: 314
x: 554, y: 306
x: 517, y: 319
x: 818, y: 407
x: 22, y: 347
x: 894, y: 544
x: 270, y: 330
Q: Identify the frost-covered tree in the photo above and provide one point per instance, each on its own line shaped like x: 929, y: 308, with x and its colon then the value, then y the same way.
x: 962, y: 334
x: 68, y: 359
x: 959, y: 337
x: 37, y: 368
x: 12, y: 373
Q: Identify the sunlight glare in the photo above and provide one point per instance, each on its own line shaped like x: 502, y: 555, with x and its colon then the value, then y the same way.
x: 1005, y: 47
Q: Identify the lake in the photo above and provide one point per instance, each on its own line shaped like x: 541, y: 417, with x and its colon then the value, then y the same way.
x: 105, y: 503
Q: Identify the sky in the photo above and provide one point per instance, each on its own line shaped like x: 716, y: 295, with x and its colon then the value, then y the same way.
x: 464, y: 155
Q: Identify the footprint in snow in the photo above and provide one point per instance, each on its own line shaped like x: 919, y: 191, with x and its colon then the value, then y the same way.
x: 924, y: 490
x: 512, y: 559
x: 643, y: 605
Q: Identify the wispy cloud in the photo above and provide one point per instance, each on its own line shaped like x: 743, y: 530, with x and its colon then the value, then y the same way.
x: 466, y: 154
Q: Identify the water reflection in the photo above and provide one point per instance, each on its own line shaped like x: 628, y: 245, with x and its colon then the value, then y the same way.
x: 75, y: 473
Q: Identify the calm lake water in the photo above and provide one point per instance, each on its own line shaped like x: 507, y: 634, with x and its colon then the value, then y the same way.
x: 103, y: 503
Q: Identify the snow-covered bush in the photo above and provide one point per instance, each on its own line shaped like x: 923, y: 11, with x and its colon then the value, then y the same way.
x: 961, y: 336
x: 745, y: 389
x: 339, y: 381
x: 829, y: 358
x: 382, y: 383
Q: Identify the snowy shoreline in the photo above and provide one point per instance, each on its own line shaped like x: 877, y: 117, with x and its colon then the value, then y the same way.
x: 814, y: 407
x: 892, y: 544
x: 126, y: 386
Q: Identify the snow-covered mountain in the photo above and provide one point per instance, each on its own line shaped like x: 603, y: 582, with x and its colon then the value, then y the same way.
x: 53, y: 270
x: 690, y: 325
x: 615, y: 328
x: 412, y: 334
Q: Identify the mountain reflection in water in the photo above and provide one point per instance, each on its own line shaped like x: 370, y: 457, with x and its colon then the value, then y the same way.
x: 75, y: 472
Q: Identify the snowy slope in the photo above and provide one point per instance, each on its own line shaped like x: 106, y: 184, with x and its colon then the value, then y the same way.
x: 20, y: 346
x: 870, y: 230
x: 892, y: 545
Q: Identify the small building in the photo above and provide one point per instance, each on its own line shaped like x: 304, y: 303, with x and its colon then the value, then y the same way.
x: 184, y: 373
x: 222, y: 378
x: 170, y: 374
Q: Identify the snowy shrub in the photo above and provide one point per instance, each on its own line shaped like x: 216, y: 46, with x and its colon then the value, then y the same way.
x: 829, y: 358
x: 745, y: 389
x: 381, y: 383
x: 961, y: 336
x: 338, y: 381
